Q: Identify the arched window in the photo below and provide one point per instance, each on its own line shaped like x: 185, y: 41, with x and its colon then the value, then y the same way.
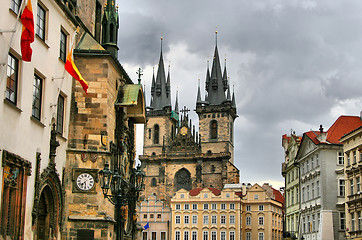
x: 156, y: 134
x: 213, y: 129
x: 183, y: 179
x: 153, y: 182
x: 149, y: 133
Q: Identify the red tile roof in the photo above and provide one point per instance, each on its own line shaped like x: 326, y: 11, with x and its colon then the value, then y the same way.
x: 196, y: 191
x: 342, y: 126
x: 278, y: 196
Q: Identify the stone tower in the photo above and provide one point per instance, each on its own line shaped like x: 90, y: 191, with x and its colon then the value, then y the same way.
x: 161, y: 119
x: 217, y: 112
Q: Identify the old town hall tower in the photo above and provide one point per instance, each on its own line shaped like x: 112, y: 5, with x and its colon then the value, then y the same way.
x: 175, y: 156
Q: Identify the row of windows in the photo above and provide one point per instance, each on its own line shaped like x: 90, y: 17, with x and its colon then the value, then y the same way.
x: 260, y: 236
x: 205, y: 235
x: 260, y: 220
x: 163, y: 236
x: 292, y: 197
x: 152, y: 215
x: 355, y: 185
x: 205, y: 219
x: 356, y: 221
x: 354, y: 157
x: 310, y: 192
x: 12, y: 86
x: 309, y: 164
x: 310, y: 223
x: 260, y: 208
x: 292, y: 175
x: 205, y: 206
x: 41, y: 25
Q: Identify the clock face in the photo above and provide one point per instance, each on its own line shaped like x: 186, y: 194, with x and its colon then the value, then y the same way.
x: 85, y: 181
x: 183, y: 130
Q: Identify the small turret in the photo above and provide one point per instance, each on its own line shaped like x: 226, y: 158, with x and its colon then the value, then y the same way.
x: 110, y: 25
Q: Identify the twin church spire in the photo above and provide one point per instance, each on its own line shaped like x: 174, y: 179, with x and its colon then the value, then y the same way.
x: 217, y: 87
x: 216, y: 84
x: 161, y: 87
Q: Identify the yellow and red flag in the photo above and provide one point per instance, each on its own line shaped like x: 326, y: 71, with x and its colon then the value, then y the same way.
x: 27, y: 35
x: 74, y: 72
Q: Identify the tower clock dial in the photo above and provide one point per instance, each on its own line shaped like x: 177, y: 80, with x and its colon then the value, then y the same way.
x: 85, y: 181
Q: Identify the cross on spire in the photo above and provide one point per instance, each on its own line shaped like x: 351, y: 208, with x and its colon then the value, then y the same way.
x: 185, y: 111
x: 139, y: 73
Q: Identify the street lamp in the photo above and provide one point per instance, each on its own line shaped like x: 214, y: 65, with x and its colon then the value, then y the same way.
x: 120, y: 182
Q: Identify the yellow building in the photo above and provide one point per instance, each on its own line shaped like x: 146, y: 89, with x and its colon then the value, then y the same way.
x: 262, y: 213
x: 351, y: 220
x: 206, y: 213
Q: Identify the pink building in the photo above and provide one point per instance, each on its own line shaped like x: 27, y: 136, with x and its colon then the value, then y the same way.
x: 154, y: 213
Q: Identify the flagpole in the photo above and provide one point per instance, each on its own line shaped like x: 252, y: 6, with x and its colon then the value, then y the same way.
x: 4, y: 61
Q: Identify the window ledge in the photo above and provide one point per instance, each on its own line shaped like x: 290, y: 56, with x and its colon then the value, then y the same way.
x: 61, y: 136
x: 14, y: 13
x: 37, y: 121
x: 42, y: 41
x: 12, y: 105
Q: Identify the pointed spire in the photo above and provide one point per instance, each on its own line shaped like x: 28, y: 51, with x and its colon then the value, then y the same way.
x: 233, y: 102
x: 176, y: 103
x: 216, y: 92
x: 198, y: 99
x: 207, y: 84
x: 153, y: 82
x: 225, y: 77
x: 228, y: 98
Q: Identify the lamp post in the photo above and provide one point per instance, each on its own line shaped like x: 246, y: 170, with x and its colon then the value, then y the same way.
x: 120, y: 182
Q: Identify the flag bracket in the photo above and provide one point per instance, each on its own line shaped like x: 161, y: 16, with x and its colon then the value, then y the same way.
x: 6, y: 31
x: 55, y: 78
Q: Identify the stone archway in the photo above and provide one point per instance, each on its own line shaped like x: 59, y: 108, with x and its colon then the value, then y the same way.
x: 44, y: 226
x: 183, y: 179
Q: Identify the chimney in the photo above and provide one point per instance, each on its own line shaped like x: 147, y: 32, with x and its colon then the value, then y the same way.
x: 322, y: 137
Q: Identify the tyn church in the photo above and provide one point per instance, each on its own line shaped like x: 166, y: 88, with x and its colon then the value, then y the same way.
x: 175, y: 156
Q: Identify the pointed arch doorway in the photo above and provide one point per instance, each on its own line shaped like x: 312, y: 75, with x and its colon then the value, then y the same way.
x: 45, y: 214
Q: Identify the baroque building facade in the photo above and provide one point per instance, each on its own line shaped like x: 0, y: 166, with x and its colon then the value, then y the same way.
x: 154, y: 217
x: 352, y: 148
x: 262, y: 212
x: 290, y: 172
x: 206, y: 213
x: 183, y: 158
x: 322, y: 181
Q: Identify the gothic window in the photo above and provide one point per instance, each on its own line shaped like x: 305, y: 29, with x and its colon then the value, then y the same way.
x: 156, y: 134
x: 153, y: 182
x: 14, y: 183
x: 183, y: 179
x: 213, y: 129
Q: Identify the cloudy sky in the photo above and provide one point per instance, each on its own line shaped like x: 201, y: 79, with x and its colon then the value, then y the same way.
x: 294, y: 64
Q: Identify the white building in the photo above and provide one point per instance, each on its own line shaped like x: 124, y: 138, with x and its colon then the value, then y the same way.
x: 33, y: 96
x: 320, y: 160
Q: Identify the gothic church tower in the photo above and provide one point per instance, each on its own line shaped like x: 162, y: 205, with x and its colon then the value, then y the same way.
x: 161, y: 119
x: 217, y: 112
